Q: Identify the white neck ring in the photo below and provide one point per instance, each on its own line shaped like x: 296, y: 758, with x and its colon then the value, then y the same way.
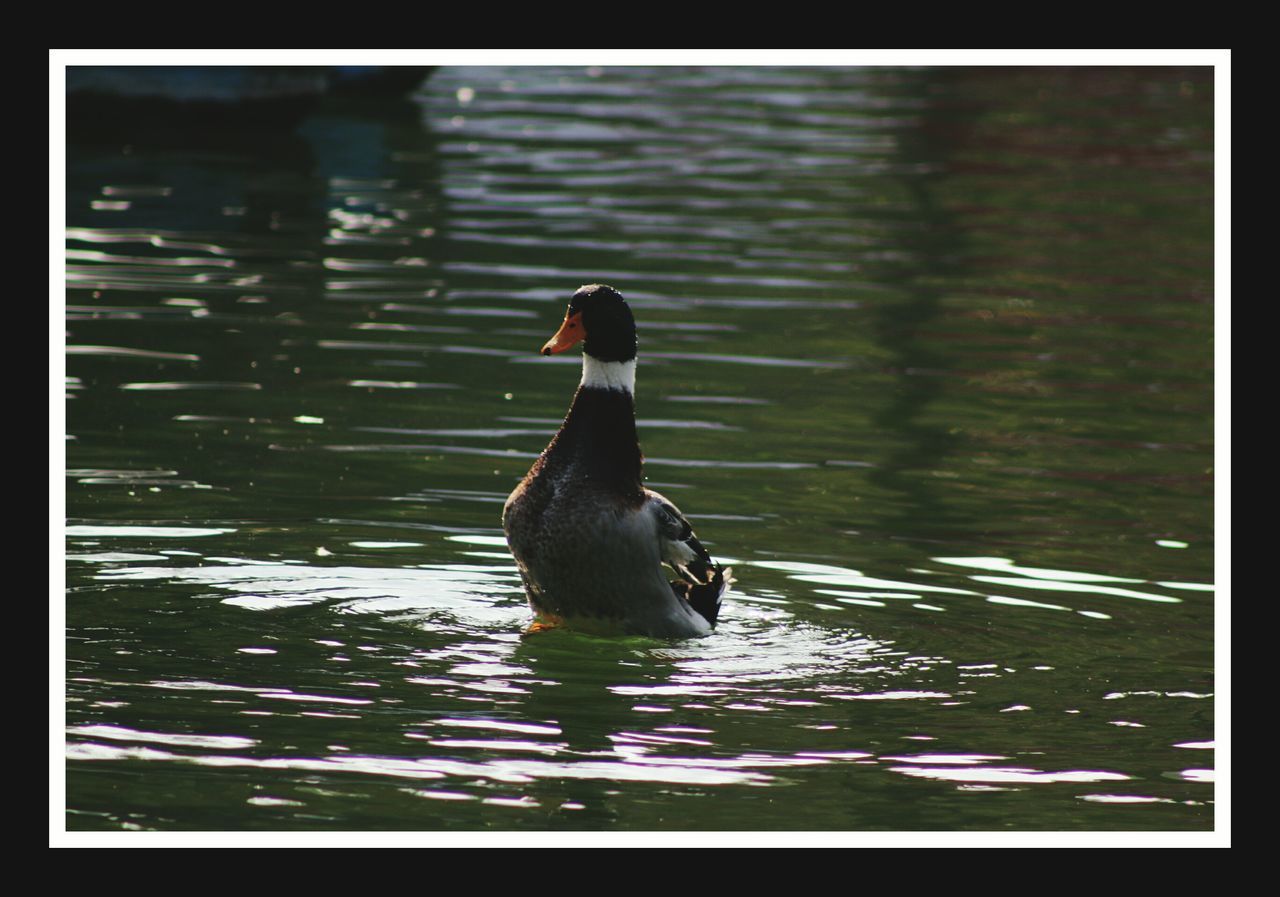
x: 620, y: 375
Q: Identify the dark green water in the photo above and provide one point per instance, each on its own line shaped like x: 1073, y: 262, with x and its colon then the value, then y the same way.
x: 927, y: 354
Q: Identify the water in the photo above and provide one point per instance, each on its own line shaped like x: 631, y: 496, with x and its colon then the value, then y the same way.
x: 925, y: 354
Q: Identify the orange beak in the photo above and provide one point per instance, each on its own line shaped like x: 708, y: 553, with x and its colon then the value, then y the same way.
x: 571, y: 333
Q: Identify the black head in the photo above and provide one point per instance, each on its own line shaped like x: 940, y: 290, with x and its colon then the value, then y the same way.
x: 599, y: 316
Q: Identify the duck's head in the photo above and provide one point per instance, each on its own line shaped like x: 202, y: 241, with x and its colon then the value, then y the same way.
x: 600, y: 319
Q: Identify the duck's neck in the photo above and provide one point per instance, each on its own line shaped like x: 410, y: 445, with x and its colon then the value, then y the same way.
x: 599, y: 432
x: 611, y: 375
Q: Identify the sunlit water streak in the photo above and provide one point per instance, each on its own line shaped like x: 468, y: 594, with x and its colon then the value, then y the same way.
x: 763, y: 661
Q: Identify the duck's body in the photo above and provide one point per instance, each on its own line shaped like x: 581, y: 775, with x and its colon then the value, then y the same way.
x: 590, y: 540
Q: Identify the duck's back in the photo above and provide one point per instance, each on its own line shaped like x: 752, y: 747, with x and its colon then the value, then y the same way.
x: 585, y: 554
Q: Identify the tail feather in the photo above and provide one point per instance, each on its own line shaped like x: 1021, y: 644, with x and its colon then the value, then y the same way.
x: 705, y: 598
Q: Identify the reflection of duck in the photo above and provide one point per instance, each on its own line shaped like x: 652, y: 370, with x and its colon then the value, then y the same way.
x: 589, y: 539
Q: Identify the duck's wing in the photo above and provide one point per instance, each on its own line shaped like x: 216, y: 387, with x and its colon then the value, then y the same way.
x: 703, y: 583
x: 680, y: 547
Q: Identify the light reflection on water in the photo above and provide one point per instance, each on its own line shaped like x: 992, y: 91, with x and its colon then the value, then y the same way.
x: 761, y: 661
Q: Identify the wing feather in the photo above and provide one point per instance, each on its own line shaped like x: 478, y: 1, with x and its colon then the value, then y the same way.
x: 681, y: 549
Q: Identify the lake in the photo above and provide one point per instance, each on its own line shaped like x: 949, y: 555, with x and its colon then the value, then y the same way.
x: 926, y: 354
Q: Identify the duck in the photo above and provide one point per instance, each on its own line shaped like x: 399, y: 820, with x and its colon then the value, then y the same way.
x: 593, y: 545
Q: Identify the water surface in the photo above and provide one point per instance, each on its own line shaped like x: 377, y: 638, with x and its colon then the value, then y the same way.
x: 926, y: 354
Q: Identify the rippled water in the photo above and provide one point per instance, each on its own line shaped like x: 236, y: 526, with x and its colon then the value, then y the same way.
x: 925, y: 354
